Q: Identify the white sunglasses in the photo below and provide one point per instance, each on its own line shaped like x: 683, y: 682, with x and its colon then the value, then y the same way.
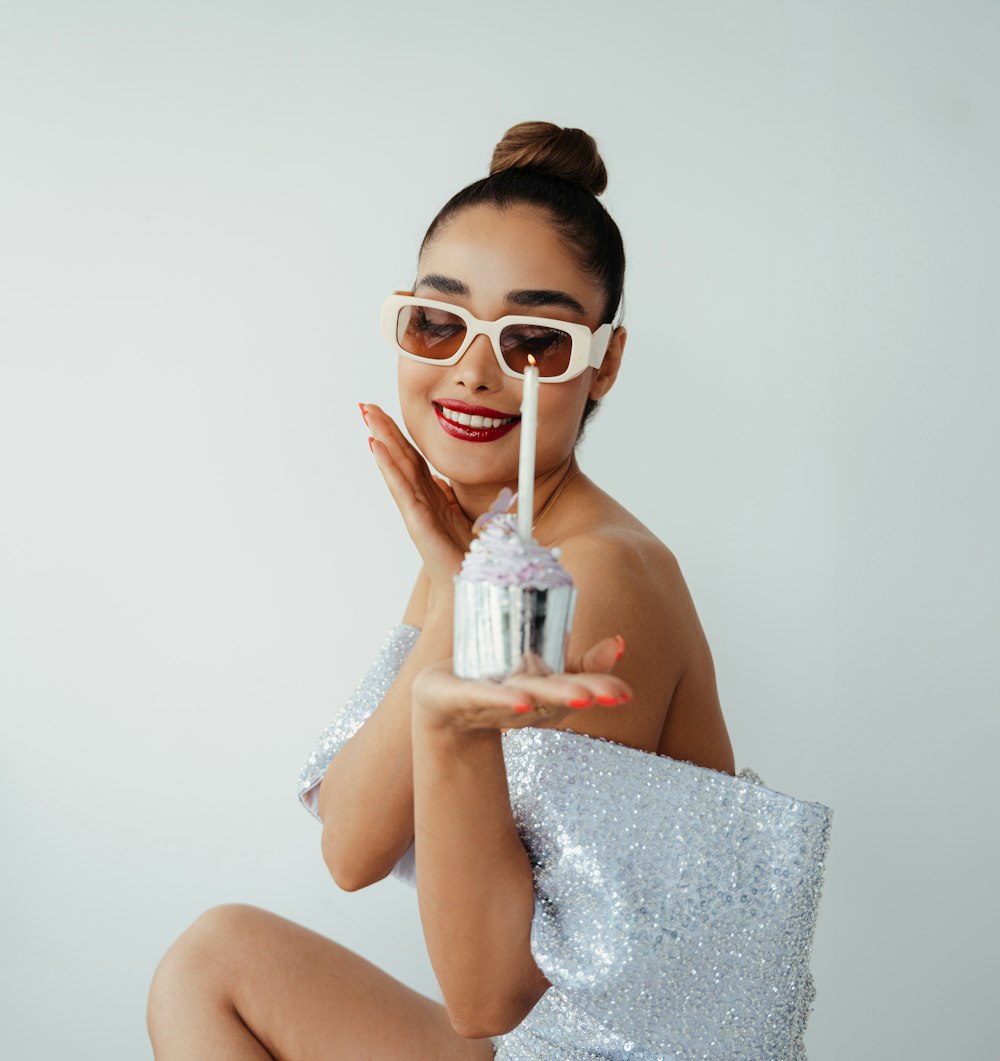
x: 438, y: 333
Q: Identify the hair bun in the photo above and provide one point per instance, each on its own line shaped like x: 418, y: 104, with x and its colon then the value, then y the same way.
x: 567, y: 153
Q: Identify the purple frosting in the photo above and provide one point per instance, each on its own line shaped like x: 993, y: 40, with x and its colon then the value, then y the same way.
x: 500, y: 557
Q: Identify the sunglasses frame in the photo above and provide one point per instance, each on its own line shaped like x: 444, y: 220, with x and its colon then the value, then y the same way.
x: 587, y: 350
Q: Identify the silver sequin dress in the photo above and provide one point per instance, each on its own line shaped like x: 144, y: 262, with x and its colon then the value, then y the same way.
x: 674, y: 905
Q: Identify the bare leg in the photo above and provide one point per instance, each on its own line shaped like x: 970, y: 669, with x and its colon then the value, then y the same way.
x: 244, y: 984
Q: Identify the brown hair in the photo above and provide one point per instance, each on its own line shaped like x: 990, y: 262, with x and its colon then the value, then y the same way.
x: 560, y: 172
x: 567, y: 153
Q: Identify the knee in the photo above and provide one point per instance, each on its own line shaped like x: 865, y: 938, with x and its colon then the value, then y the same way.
x: 202, y: 964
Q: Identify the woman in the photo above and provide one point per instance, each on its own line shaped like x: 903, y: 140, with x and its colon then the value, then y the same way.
x: 417, y: 760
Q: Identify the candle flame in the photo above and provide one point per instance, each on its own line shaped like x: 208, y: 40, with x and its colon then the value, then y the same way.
x: 532, y: 361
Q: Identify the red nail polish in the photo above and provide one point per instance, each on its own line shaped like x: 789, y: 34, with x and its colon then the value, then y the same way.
x: 580, y: 703
x: 371, y: 443
x: 621, y: 646
x: 608, y: 701
x: 521, y: 708
x: 624, y: 698
x: 364, y: 416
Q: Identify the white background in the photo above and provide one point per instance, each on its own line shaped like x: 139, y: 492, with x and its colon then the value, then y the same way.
x: 202, y: 206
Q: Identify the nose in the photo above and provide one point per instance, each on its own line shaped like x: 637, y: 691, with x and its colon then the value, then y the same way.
x: 477, y: 369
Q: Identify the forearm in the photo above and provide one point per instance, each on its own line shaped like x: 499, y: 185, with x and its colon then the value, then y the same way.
x: 366, y: 797
x: 474, y: 880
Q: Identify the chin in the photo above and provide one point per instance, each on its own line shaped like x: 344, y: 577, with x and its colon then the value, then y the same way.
x: 470, y: 463
x: 472, y: 470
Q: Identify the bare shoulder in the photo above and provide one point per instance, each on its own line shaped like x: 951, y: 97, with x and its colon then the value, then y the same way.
x: 633, y: 559
x: 630, y: 583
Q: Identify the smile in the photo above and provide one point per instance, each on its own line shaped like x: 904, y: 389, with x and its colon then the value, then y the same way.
x: 472, y: 423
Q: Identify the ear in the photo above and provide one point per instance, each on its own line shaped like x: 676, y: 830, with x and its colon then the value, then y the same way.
x: 606, y: 375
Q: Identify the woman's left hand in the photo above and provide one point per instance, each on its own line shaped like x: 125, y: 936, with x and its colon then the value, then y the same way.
x: 539, y: 698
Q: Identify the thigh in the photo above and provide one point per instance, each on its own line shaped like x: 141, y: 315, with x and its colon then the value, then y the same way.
x: 306, y: 998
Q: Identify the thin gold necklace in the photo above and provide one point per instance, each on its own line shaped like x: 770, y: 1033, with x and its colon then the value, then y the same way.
x: 552, y: 500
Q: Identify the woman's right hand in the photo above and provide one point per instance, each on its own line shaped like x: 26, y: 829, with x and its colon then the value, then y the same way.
x: 439, y: 528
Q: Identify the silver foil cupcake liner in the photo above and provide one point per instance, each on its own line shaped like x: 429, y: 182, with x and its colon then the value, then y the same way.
x: 503, y: 629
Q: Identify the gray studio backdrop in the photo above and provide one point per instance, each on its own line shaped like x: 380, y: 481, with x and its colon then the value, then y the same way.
x: 201, y: 209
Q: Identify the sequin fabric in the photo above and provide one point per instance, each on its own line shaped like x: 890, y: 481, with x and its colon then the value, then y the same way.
x: 365, y: 698
x: 674, y: 905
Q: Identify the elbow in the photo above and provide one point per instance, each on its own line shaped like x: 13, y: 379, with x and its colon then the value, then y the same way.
x: 476, y: 1028
x: 482, y: 1029
x: 490, y: 1019
x: 349, y: 882
x: 348, y: 873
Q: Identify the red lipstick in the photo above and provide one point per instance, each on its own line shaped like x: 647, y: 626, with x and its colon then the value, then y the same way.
x: 472, y: 431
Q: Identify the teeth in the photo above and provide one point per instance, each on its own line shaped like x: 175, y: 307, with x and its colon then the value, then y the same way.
x: 475, y: 421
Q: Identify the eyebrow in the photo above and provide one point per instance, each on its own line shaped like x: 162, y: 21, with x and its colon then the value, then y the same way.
x: 545, y: 298
x: 447, y: 285
x: 528, y: 297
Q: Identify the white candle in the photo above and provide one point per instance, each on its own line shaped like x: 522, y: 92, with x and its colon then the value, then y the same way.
x: 526, y: 467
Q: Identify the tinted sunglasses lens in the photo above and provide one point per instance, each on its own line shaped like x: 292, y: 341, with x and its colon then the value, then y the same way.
x: 429, y: 332
x: 550, y: 347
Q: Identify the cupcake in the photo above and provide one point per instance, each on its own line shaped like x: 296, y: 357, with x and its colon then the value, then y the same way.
x: 513, y: 602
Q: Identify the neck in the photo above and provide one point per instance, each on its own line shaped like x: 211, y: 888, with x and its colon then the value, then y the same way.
x: 474, y: 499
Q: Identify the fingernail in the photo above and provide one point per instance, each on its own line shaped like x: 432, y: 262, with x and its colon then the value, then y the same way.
x: 580, y: 703
x: 364, y: 415
x: 521, y: 708
x: 371, y: 443
x: 621, y: 646
x: 608, y: 701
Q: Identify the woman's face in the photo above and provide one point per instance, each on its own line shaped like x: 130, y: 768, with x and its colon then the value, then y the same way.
x: 493, y: 263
